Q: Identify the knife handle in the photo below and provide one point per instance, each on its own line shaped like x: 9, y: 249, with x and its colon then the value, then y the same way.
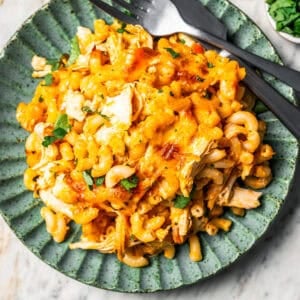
x: 285, y: 74
x: 286, y: 112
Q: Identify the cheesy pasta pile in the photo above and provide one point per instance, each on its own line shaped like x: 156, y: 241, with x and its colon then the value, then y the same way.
x: 141, y: 142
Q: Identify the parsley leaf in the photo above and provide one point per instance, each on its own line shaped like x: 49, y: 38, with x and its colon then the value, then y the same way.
x: 75, y: 51
x: 59, y: 133
x: 104, y: 116
x: 130, y: 183
x: 181, y: 201
x: 62, y: 122
x: 173, y: 52
x: 48, y: 140
x: 87, y: 109
x: 182, y: 41
x: 61, y: 128
x: 88, y: 179
x: 210, y: 65
x: 48, y: 79
x: 122, y: 28
x: 99, y: 181
x: 54, y: 63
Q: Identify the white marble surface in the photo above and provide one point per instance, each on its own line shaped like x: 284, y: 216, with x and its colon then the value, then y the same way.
x: 271, y: 270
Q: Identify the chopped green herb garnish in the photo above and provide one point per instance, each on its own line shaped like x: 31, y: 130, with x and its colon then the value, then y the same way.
x: 62, y: 122
x: 173, y: 53
x: 208, y: 95
x: 210, y: 65
x: 160, y: 91
x: 104, y: 116
x: 88, y: 179
x: 181, y: 201
x: 99, y: 181
x: 286, y: 14
x: 48, y: 140
x: 182, y: 41
x: 130, y: 183
x: 59, y: 133
x: 75, y: 51
x: 41, y: 99
x: 54, y: 63
x: 122, y: 28
x: 87, y: 109
x: 198, y: 78
x: 61, y: 128
x: 48, y: 79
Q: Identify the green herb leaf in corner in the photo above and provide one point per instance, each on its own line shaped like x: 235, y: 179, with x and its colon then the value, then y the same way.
x: 122, y: 28
x: 61, y: 128
x: 173, y: 52
x: 181, y: 201
x: 107, y: 118
x: 99, y: 180
x: 87, y: 109
x: 88, y: 179
x: 48, y: 140
x: 75, y: 51
x: 59, y: 133
x: 62, y: 122
x: 130, y: 183
x: 48, y: 79
x: 54, y: 63
x: 210, y: 65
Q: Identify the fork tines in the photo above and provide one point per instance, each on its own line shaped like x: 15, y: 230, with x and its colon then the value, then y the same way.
x: 124, y: 11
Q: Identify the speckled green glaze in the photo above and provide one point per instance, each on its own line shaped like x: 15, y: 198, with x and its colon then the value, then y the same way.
x: 48, y: 33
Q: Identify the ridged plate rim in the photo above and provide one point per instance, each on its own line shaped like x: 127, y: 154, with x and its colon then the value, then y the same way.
x: 159, y: 260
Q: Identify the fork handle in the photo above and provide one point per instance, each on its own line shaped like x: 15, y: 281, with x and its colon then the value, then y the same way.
x: 285, y: 74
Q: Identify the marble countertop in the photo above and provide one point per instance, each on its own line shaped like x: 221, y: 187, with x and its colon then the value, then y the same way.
x: 271, y: 270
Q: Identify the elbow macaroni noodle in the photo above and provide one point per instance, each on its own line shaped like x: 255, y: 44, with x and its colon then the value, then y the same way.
x: 141, y: 142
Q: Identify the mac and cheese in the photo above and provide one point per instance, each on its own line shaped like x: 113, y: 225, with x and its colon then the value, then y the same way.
x: 141, y: 141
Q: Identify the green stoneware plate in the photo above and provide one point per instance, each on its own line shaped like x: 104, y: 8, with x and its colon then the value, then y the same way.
x: 48, y: 34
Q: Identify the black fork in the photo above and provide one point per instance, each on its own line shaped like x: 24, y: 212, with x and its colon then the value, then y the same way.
x: 128, y: 12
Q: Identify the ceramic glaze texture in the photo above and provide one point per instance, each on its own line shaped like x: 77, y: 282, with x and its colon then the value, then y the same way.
x: 21, y: 211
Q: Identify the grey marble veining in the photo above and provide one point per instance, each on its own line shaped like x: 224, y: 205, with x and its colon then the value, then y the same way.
x: 271, y: 270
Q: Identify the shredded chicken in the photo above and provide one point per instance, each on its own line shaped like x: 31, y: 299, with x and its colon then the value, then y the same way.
x: 244, y: 198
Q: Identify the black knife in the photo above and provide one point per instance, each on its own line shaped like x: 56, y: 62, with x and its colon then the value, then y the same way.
x: 195, y: 14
